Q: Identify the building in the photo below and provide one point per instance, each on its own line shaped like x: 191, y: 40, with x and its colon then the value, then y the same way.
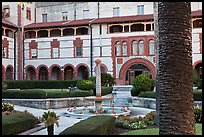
x: 63, y: 40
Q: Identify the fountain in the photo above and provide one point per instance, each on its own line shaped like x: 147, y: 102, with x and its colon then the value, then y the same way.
x: 98, y: 109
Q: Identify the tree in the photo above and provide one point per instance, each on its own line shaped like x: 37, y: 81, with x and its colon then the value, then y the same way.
x: 175, y: 69
x: 49, y: 119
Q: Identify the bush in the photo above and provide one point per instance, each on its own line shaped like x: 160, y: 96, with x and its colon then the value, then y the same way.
x: 7, y: 107
x: 104, y: 91
x: 96, y: 125
x: 197, y: 95
x: 85, y: 85
x: 93, y: 79
x: 153, y: 84
x: 198, y: 83
x: 26, y: 93
x: 40, y: 84
x: 17, y: 122
x: 141, y: 83
x: 107, y: 79
x: 198, y: 115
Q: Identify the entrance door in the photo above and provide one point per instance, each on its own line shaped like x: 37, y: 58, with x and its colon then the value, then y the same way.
x: 131, y: 76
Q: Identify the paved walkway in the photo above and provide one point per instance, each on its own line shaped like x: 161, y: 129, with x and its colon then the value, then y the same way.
x: 65, y: 122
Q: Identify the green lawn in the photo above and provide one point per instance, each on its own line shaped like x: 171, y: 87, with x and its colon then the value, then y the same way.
x: 155, y: 131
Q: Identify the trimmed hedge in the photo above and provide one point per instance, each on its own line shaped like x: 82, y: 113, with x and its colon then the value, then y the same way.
x: 96, y: 125
x: 104, y: 90
x: 17, y: 122
x: 41, y: 84
x: 197, y: 95
x: 43, y: 93
x: 25, y: 93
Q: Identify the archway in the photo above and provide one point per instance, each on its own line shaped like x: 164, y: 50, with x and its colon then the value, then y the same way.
x: 198, y: 68
x: 43, y: 73
x: 31, y: 74
x: 134, y: 67
x: 9, y: 73
x: 82, y: 73
x: 55, y: 73
x: 68, y: 73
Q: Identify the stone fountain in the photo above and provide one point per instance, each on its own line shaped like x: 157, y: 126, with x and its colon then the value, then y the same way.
x: 98, y: 109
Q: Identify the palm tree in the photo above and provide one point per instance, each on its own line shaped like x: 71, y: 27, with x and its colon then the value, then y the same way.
x: 49, y: 119
x: 175, y: 69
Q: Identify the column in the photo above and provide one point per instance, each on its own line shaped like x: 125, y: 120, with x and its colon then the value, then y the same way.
x: 36, y: 76
x: 98, y: 78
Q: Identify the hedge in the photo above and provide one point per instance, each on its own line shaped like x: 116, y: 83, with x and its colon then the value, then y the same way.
x: 96, y: 125
x: 17, y: 122
x: 104, y: 90
x: 43, y: 93
x: 41, y: 84
x: 197, y: 95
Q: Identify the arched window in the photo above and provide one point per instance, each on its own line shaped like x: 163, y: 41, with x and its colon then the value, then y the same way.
x: 151, y: 47
x: 134, y: 47
x: 124, y: 48
x: 141, y: 47
x: 118, y: 49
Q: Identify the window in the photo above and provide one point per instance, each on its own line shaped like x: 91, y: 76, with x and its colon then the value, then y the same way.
x: 118, y: 50
x: 64, y: 16
x: 126, y: 28
x: 34, y: 53
x: 124, y: 48
x: 78, y: 51
x: 6, y: 11
x: 85, y: 14
x: 140, y: 9
x: 44, y: 17
x: 134, y: 47
x: 55, y: 52
x: 116, y: 12
x: 141, y: 47
x: 4, y: 52
x: 28, y: 14
x: 151, y: 47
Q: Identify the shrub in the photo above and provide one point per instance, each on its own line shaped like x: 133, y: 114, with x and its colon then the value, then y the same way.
x: 17, y: 122
x: 141, y: 83
x: 107, y: 79
x: 7, y: 107
x: 104, y: 90
x: 197, y: 95
x: 198, y: 83
x: 40, y: 84
x: 198, y: 115
x: 85, y: 85
x: 153, y: 83
x: 26, y: 93
x: 96, y: 125
x: 93, y: 79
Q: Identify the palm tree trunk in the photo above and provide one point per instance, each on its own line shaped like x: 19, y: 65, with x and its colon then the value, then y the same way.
x: 175, y: 69
x: 50, y: 130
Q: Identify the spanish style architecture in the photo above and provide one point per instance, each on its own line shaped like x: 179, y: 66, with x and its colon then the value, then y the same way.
x: 62, y: 40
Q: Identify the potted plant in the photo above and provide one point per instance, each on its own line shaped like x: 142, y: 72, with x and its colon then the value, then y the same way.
x: 49, y: 119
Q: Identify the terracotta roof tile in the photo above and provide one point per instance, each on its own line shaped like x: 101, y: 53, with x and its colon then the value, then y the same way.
x: 9, y: 23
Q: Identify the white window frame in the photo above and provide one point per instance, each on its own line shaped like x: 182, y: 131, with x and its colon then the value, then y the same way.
x: 118, y: 48
x: 140, y: 9
x: 64, y: 15
x: 78, y: 52
x: 55, y: 52
x: 85, y: 14
x: 151, y: 47
x: 34, y: 53
x: 134, y: 47
x: 116, y: 11
x: 124, y: 48
x: 141, y: 47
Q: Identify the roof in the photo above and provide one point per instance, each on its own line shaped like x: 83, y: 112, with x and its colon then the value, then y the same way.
x: 6, y: 22
x: 57, y: 23
x: 196, y: 13
x: 124, y: 18
x: 99, y: 20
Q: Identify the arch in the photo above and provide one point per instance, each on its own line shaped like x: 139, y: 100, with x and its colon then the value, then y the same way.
x: 104, y: 66
x: 42, y: 65
x: 54, y: 65
x: 68, y: 32
x: 129, y: 63
x: 9, y: 33
x: 82, y: 31
x: 69, y: 71
x: 30, y: 73
x: 30, y: 66
x: 197, y: 62
x: 30, y: 34
x: 55, y: 72
x: 43, y: 72
x: 9, y: 72
x: 42, y: 33
x: 77, y: 70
